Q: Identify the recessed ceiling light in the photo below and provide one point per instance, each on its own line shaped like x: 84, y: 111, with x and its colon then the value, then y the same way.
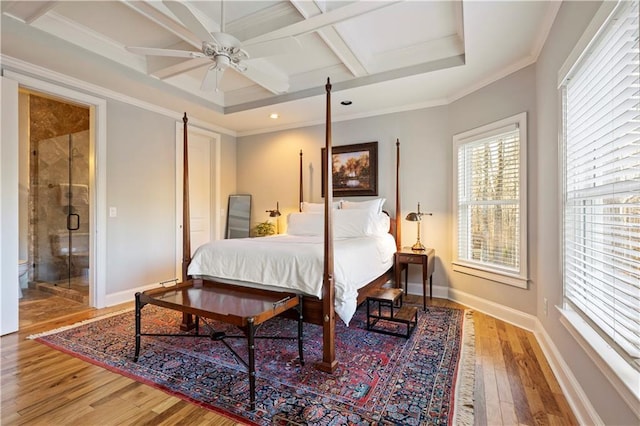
x: 346, y: 103
x: 274, y: 115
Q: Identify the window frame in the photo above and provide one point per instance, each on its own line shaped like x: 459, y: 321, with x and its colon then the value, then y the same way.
x: 519, y: 278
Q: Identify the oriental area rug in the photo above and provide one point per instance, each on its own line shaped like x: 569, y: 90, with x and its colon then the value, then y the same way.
x: 426, y: 379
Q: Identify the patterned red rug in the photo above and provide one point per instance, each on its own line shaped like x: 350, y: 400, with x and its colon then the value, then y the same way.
x: 382, y: 379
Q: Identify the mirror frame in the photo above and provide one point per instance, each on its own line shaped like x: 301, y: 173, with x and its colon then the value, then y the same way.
x: 245, y: 203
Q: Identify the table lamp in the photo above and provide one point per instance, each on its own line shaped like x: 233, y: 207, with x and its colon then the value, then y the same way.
x: 417, y: 217
x: 275, y: 213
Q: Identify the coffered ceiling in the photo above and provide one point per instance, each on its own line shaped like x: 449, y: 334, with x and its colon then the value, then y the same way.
x: 383, y: 56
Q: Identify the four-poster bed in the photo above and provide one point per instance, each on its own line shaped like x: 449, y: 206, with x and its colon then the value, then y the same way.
x: 318, y: 309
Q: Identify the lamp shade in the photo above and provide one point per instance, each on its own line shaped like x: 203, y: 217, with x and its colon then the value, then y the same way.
x: 414, y: 217
x: 276, y: 212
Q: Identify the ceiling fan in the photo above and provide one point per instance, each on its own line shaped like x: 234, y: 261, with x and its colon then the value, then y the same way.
x: 225, y: 51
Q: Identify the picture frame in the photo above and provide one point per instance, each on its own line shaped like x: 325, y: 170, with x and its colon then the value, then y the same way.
x: 354, y: 169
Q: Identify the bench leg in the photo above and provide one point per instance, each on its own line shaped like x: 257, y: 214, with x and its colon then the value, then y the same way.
x: 252, y: 367
x: 138, y: 307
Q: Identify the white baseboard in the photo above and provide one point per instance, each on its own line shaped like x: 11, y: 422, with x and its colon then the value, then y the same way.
x: 127, y: 295
x: 512, y: 316
x: 578, y: 401
x: 576, y: 398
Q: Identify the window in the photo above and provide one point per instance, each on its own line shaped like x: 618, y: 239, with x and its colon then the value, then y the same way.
x: 490, y: 201
x: 601, y: 171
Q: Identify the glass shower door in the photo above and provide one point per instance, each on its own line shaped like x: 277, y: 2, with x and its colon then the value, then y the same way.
x: 61, y: 207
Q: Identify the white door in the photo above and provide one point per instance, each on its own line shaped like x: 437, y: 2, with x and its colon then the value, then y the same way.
x: 199, y: 189
x: 204, y: 188
x: 8, y: 207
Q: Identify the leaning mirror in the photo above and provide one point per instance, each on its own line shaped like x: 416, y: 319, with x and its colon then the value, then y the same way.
x: 238, y: 216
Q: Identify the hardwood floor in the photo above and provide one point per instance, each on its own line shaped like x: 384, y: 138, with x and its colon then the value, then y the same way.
x: 41, y: 386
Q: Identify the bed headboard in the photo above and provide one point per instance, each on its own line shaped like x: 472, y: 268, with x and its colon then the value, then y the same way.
x: 395, y: 226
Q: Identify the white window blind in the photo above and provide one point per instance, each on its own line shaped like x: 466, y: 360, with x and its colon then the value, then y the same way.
x: 601, y: 250
x: 489, y: 200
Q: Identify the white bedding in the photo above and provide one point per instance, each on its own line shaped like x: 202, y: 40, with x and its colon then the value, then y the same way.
x: 296, y: 263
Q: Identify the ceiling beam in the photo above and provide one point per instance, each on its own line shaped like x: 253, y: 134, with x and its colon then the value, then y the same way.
x: 332, y: 39
x: 318, y: 22
x: 159, y: 14
x: 28, y: 12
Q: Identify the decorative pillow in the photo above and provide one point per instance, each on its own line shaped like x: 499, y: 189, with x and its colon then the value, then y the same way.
x: 305, y: 224
x: 316, y: 207
x: 374, y: 206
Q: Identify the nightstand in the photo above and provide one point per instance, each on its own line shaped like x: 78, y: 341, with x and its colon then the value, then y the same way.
x: 426, y: 259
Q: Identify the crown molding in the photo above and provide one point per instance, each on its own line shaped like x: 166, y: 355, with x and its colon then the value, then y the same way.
x: 17, y: 65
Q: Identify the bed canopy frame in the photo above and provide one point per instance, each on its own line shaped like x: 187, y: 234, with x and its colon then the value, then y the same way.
x: 315, y: 311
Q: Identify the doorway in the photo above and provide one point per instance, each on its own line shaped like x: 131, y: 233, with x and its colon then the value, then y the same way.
x: 57, y: 241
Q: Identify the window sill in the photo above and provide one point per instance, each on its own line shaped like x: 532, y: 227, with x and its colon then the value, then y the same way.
x: 493, y: 275
x: 624, y: 378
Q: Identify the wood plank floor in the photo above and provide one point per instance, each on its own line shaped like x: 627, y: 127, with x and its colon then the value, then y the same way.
x: 41, y: 386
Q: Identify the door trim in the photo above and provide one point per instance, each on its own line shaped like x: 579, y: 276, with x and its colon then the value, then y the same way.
x: 97, y: 177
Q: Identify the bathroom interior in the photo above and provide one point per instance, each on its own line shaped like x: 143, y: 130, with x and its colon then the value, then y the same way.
x: 54, y: 202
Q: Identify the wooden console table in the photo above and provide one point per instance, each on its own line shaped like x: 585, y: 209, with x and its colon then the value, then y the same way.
x: 229, y: 304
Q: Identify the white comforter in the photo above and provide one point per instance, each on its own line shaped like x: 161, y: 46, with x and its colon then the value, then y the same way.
x: 296, y: 263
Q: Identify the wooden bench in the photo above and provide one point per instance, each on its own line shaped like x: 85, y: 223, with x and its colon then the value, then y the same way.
x: 391, y: 299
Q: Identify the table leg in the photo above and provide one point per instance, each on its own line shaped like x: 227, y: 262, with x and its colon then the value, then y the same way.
x: 424, y: 294
x: 300, y: 324
x: 431, y: 287
x: 406, y: 279
x: 252, y: 367
x: 425, y: 277
x: 138, y: 307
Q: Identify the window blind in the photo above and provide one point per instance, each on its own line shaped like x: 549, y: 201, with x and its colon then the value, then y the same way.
x: 601, y: 253
x: 488, y: 200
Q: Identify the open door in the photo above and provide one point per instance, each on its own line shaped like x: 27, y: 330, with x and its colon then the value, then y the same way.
x: 8, y: 206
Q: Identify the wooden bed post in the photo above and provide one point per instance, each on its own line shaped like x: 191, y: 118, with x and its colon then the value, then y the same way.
x: 301, y: 195
x: 187, y: 319
x: 398, y: 213
x: 329, y: 362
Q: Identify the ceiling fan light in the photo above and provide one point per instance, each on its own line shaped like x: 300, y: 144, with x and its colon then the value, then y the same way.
x: 222, y: 61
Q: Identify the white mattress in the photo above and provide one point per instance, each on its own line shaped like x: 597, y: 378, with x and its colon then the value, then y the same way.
x: 295, y: 263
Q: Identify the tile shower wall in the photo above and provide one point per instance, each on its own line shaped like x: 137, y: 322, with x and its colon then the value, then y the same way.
x: 52, y: 123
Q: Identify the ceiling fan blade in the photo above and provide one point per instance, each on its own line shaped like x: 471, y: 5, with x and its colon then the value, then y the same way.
x: 211, y: 78
x: 152, y: 51
x: 261, y: 74
x: 189, y: 19
x: 273, y: 47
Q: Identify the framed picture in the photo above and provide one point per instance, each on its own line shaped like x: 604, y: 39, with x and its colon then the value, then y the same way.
x: 354, y: 171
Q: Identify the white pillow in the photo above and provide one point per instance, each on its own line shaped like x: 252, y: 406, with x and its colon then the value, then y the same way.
x: 316, y: 207
x: 305, y: 224
x: 346, y: 223
x: 352, y: 223
x: 374, y: 206
x: 380, y: 224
